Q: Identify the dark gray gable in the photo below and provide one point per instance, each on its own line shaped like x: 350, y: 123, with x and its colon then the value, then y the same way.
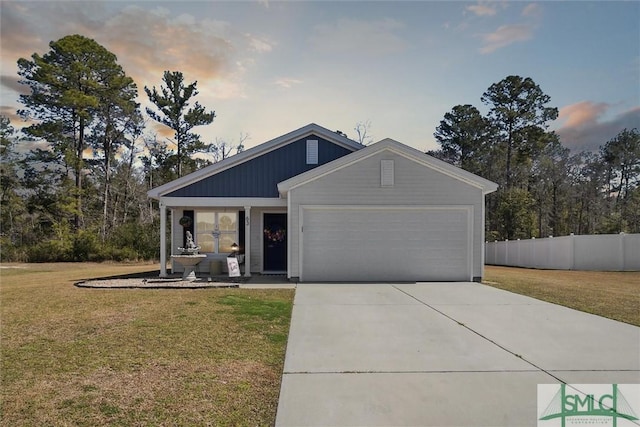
x: 259, y: 177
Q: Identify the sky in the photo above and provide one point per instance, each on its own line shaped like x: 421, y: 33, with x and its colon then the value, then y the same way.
x: 270, y: 67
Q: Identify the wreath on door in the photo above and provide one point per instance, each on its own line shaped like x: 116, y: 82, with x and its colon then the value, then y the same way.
x: 185, y: 221
x: 275, y: 236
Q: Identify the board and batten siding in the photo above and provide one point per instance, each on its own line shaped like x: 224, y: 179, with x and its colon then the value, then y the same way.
x: 259, y: 177
x: 360, y: 184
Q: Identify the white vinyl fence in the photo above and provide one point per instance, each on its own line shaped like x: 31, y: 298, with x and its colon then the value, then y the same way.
x: 605, y: 252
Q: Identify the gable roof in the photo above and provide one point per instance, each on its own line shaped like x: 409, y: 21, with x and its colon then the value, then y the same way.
x: 252, y: 153
x: 396, y: 147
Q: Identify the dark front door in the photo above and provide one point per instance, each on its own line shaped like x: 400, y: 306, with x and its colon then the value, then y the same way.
x: 275, y: 242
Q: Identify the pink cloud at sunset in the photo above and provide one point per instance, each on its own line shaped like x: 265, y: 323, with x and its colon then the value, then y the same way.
x: 581, y: 113
x: 269, y: 67
x: 584, y: 126
x: 506, y: 35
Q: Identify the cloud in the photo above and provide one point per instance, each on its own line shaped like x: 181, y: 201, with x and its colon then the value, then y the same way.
x: 147, y: 40
x: 155, y: 42
x: 259, y: 45
x: 12, y: 115
x: 482, y: 9
x: 12, y: 82
x: 287, y: 82
x: 28, y: 27
x: 162, y: 132
x: 581, y: 113
x: 506, y: 35
x: 532, y: 9
x: 582, y: 126
x: 354, y: 36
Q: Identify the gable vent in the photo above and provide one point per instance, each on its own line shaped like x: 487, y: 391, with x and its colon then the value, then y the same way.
x: 386, y: 173
x: 312, y: 152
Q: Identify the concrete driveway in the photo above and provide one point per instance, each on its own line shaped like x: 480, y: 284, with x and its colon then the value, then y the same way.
x: 439, y: 354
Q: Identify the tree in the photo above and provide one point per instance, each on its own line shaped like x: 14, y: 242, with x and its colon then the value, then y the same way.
x: 221, y: 149
x: 69, y: 86
x: 550, y: 189
x: 12, y: 205
x: 172, y: 102
x: 159, y: 163
x: 463, y: 136
x: 515, y: 210
x: 588, y: 198
x: 519, y: 113
x: 118, y: 119
x: 621, y: 155
x: 363, y: 130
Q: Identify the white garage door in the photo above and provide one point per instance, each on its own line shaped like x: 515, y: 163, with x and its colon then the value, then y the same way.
x: 386, y: 244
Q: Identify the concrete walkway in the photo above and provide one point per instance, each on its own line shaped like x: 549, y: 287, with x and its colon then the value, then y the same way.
x: 439, y: 354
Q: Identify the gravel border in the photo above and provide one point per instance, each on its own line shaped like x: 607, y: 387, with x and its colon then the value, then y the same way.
x: 155, y: 283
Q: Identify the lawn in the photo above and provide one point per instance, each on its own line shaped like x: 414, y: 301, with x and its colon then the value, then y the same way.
x: 615, y: 295
x: 97, y: 357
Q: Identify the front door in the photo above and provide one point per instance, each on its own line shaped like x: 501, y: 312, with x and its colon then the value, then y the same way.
x: 274, y: 247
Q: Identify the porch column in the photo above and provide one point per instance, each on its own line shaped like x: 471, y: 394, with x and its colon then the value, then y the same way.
x: 163, y: 240
x: 247, y: 241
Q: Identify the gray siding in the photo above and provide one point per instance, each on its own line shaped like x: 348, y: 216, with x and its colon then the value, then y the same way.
x: 260, y: 176
x: 359, y: 184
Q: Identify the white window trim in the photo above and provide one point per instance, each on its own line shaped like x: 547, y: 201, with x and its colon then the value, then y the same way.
x: 216, y: 227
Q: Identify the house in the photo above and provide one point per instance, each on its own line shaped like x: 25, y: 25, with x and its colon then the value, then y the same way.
x: 317, y: 206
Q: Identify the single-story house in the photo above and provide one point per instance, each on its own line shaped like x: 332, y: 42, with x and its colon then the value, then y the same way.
x: 317, y: 206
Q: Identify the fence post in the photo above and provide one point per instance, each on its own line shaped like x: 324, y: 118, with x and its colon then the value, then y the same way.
x: 622, y: 254
x: 573, y: 252
x: 534, y: 261
x: 506, y: 251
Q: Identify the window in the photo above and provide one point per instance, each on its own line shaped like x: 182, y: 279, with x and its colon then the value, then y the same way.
x: 386, y: 173
x: 212, y: 227
x: 312, y: 152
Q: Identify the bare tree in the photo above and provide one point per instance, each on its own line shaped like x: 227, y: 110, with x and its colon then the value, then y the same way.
x: 363, y: 129
x: 221, y: 149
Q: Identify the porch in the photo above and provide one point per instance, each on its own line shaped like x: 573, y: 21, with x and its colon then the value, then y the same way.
x: 257, y: 226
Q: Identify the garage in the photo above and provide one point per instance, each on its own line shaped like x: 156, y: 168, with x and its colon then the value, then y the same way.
x: 385, y: 213
x: 386, y: 243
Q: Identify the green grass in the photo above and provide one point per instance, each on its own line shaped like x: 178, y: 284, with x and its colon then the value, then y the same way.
x: 615, y: 295
x: 98, y: 357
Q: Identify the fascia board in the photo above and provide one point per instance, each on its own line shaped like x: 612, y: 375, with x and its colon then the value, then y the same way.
x: 446, y: 168
x: 208, y: 202
x: 252, y: 153
x: 398, y: 148
x: 326, y: 169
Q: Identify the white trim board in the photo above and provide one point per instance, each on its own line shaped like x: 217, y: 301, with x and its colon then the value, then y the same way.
x: 252, y: 153
x: 239, y: 202
x: 394, y: 147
